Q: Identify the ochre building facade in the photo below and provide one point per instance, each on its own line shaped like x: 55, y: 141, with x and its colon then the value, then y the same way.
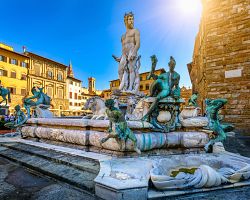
x: 13, y: 74
x: 50, y: 75
x: 220, y: 67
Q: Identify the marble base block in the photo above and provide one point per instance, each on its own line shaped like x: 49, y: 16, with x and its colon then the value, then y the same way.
x: 145, y: 141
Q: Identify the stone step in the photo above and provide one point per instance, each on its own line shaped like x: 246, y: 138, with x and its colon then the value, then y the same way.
x: 62, y: 171
x: 81, y: 163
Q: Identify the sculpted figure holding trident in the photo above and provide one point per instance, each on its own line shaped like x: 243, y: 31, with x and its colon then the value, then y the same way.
x: 127, y: 62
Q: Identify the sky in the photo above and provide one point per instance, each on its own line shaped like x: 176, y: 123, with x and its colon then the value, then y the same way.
x: 88, y: 32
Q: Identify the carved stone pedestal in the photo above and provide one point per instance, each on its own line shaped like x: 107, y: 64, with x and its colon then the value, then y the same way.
x: 190, y: 111
x: 165, y: 116
x: 126, y: 101
x: 190, y: 118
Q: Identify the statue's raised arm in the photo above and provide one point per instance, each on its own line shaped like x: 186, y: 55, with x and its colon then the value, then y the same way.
x: 153, y: 66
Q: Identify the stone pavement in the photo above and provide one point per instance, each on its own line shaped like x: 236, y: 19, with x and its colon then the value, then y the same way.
x: 19, y: 183
x: 69, y: 168
x: 239, y: 144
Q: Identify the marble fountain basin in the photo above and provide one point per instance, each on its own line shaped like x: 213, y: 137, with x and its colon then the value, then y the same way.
x: 197, y: 171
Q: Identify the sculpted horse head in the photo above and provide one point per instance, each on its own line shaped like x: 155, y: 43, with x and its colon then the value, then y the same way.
x: 89, y: 103
x: 95, y: 104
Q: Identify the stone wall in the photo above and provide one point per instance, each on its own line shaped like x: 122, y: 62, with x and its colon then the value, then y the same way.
x: 221, y: 59
x: 186, y: 93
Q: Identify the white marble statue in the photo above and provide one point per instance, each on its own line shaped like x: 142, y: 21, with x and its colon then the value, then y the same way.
x: 128, y: 73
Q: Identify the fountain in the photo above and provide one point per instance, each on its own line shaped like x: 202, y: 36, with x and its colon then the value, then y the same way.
x: 159, y: 142
x: 154, y: 141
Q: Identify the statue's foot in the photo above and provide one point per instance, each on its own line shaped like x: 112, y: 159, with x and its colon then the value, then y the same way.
x: 178, y: 125
x: 206, y: 127
x: 145, y: 118
x: 208, y: 148
x: 137, y: 150
x: 165, y: 129
x: 103, y: 140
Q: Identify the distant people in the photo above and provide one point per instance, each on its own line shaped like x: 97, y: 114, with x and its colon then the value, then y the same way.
x: 12, y: 118
x: 6, y: 118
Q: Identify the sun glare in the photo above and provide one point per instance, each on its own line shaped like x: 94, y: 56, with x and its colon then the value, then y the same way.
x: 188, y: 6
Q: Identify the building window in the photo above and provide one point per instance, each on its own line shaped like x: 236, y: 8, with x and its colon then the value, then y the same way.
x: 37, y: 68
x: 70, y: 95
x: 71, y: 83
x: 75, y: 95
x: 141, y: 87
x: 24, y: 64
x: 50, y: 91
x: 140, y: 78
x: 147, y: 87
x: 23, y: 92
x: 59, y: 77
x: 23, y: 77
x: 3, y: 58
x: 13, y: 74
x: 12, y: 90
x: 70, y: 103
x: 50, y: 74
x: 79, y: 98
x: 13, y: 61
x: 3, y: 72
x: 75, y: 104
x: 60, y: 93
